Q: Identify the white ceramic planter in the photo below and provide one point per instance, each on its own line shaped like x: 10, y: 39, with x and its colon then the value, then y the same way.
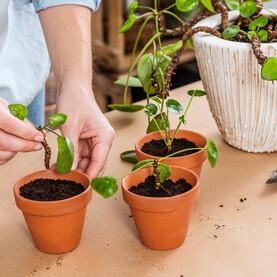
x: 243, y: 105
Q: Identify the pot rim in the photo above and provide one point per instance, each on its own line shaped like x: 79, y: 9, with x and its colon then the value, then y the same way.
x: 50, y: 202
x: 177, y: 158
x: 214, y: 21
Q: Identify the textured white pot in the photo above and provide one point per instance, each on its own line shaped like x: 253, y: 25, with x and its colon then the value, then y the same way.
x: 243, y: 105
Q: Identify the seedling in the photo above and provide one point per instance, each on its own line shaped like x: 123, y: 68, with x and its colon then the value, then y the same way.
x: 107, y: 185
x: 65, y: 146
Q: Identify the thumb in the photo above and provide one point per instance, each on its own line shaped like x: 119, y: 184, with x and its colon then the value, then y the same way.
x: 73, y: 135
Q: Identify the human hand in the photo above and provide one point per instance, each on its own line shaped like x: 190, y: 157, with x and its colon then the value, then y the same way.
x: 16, y: 135
x: 87, y: 128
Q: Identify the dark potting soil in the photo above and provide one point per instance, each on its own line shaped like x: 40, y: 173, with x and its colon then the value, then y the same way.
x: 169, y: 188
x: 50, y: 189
x: 158, y: 148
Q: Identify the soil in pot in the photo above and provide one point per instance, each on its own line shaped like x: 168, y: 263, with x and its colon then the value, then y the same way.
x: 158, y: 148
x: 168, y: 188
x: 50, y: 189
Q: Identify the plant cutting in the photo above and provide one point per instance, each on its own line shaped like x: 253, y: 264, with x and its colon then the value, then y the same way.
x: 161, y: 207
x: 233, y: 35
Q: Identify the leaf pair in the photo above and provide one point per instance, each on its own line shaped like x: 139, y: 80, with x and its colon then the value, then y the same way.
x: 131, y: 19
x: 188, y: 5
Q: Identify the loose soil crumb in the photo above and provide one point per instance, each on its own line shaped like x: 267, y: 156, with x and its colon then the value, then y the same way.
x: 59, y: 261
x: 158, y: 148
x: 169, y: 188
x: 221, y: 206
x: 50, y: 189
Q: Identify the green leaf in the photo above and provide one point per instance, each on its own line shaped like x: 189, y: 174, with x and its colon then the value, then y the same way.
x: 129, y: 156
x: 133, y: 82
x: 143, y: 163
x: 208, y: 5
x: 173, y: 106
x: 19, y: 111
x: 65, y: 155
x: 269, y: 69
x: 132, y: 7
x: 197, y: 92
x: 128, y: 23
x: 261, y: 21
x: 151, y: 109
x: 163, y: 125
x: 247, y: 8
x: 263, y: 35
x: 182, y: 119
x: 156, y: 99
x: 232, y: 4
x: 57, y: 119
x: 105, y: 186
x: 250, y: 34
x: 172, y: 48
x: 252, y: 26
x: 128, y: 108
x: 165, y: 171
x: 186, y: 5
x: 212, y: 152
x: 231, y: 31
x: 190, y: 43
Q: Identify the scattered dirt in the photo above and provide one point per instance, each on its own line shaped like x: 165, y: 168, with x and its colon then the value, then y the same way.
x: 158, y: 148
x: 169, y: 188
x: 243, y: 199
x: 221, y: 206
x: 50, y: 190
x: 59, y: 261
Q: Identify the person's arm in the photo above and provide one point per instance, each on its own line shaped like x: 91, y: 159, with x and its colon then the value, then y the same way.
x: 68, y: 36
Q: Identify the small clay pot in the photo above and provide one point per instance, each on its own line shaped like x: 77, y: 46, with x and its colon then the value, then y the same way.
x: 162, y: 223
x: 56, y: 226
x: 193, y: 162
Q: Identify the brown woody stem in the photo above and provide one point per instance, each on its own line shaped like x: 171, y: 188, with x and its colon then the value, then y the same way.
x: 256, y: 46
x: 221, y: 8
x: 47, y: 155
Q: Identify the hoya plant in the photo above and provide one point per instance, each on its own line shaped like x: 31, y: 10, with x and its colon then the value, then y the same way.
x: 65, y: 146
x: 107, y: 185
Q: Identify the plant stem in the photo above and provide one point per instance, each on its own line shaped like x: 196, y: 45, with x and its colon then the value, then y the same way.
x: 178, y: 152
x: 155, y: 5
x: 146, y: 165
x: 174, y: 15
x: 32, y: 123
x: 157, y: 30
x: 159, y: 129
x: 168, y: 8
x: 53, y: 132
x: 267, y: 10
x: 146, y: 8
x: 133, y: 54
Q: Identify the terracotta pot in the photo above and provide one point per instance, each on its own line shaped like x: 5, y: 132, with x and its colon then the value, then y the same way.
x: 162, y: 223
x: 193, y: 162
x: 56, y: 226
x: 243, y: 105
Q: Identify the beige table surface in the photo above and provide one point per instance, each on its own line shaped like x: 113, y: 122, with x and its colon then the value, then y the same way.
x: 238, y: 239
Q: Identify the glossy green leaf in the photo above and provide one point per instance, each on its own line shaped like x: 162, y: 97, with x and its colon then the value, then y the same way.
x: 132, y: 7
x: 128, y: 23
x: 57, y: 119
x: 247, y: 8
x: 190, y: 43
x: 212, y: 152
x: 269, y: 69
x: 172, y: 48
x: 208, y: 5
x: 163, y: 125
x: 252, y: 26
x: 261, y: 21
x: 156, y: 99
x: 65, y: 155
x: 165, y: 171
x: 127, y: 108
x: 250, y: 34
x: 231, y: 31
x: 105, y: 186
x: 150, y: 109
x: 143, y: 163
x: 129, y: 156
x: 19, y: 111
x: 186, y: 5
x: 232, y: 4
x: 132, y: 82
x: 182, y: 119
x: 263, y: 35
x: 197, y: 92
x: 173, y: 106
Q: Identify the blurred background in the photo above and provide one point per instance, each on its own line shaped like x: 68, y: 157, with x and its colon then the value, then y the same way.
x: 112, y: 52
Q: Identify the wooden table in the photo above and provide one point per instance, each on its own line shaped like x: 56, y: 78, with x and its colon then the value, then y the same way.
x: 227, y: 236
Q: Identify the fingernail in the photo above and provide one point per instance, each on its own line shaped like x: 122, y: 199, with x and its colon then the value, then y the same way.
x: 39, y: 138
x: 38, y: 147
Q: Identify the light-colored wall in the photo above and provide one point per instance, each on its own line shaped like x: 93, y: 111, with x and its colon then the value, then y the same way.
x: 272, y: 4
